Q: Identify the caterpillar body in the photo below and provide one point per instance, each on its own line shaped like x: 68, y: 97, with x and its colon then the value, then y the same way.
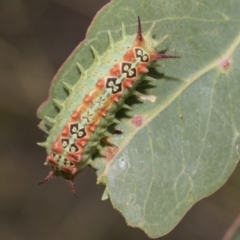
x: 92, y: 103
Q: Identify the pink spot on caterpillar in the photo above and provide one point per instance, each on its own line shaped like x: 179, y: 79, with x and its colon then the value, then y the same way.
x: 82, y: 142
x: 57, y: 147
x: 142, y: 69
x: 91, y: 127
x: 87, y: 99
x: 115, y: 97
x: 103, y: 112
x: 76, y: 114
x: 137, y: 121
x: 115, y: 71
x: 128, y: 83
x: 75, y: 158
x: 65, y: 131
x: 100, y: 84
x: 129, y: 56
x: 225, y: 64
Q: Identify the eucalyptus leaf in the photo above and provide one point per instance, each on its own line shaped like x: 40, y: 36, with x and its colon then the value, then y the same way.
x: 182, y: 143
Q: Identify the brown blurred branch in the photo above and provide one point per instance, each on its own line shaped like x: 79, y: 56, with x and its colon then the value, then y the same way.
x: 232, y: 229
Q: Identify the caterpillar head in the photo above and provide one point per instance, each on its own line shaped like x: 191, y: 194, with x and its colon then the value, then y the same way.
x: 62, y: 168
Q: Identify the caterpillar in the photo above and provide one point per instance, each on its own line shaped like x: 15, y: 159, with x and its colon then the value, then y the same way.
x: 83, y: 119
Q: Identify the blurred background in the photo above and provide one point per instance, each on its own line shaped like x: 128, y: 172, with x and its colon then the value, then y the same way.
x: 36, y: 36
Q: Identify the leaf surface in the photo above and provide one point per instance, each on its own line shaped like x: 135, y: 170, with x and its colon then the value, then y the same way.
x: 183, y: 146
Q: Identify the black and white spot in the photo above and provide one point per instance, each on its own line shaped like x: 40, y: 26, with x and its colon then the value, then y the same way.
x: 143, y: 57
x: 113, y: 85
x: 127, y: 68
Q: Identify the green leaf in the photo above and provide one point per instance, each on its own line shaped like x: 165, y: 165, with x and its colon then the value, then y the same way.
x: 237, y: 236
x: 187, y: 144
